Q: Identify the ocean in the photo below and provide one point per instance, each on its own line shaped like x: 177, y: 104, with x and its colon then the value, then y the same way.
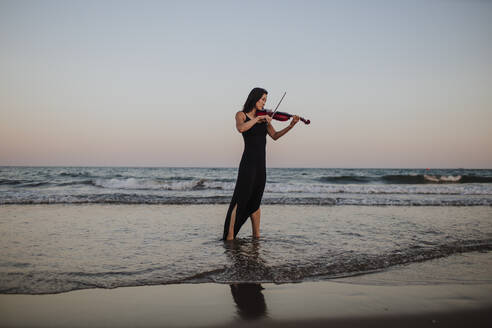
x: 70, y: 228
x: 310, y: 186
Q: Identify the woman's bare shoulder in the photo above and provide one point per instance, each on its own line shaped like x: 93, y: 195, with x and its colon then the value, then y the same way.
x: 241, y: 115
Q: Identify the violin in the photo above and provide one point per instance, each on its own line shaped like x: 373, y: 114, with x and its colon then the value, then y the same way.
x: 279, y: 116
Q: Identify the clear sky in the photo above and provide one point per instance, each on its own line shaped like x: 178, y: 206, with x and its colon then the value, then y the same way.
x: 157, y: 83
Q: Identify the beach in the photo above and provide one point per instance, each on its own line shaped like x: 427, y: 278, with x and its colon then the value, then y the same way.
x: 165, y: 265
x: 340, y: 302
x: 353, y: 137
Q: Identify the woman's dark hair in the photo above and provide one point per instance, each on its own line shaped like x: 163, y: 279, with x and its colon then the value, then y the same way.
x: 253, y: 98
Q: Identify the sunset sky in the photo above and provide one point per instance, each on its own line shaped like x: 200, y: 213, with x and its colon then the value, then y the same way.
x: 157, y: 83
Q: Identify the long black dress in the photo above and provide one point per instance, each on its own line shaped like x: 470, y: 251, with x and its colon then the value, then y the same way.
x: 251, y: 177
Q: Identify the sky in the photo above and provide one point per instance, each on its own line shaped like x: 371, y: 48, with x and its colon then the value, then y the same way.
x: 386, y: 84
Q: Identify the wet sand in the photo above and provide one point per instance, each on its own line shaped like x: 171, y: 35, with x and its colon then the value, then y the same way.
x: 373, y: 300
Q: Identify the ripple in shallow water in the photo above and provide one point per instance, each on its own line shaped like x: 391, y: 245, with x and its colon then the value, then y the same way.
x: 50, y: 249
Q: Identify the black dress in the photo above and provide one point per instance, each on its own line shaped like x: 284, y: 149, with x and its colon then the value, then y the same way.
x: 251, y: 177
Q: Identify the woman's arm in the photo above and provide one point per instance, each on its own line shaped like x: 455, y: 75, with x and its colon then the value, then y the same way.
x: 243, y: 126
x: 277, y: 134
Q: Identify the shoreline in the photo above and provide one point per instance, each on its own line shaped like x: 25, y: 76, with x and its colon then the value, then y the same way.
x: 113, y: 241
x: 397, y: 296
x: 453, y: 291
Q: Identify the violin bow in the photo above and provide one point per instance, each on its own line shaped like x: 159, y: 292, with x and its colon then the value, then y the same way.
x: 278, y: 104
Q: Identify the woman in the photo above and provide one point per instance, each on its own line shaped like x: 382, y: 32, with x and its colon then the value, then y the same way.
x: 251, y: 176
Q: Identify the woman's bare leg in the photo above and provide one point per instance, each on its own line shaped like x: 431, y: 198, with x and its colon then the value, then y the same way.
x: 255, y: 222
x: 230, y: 233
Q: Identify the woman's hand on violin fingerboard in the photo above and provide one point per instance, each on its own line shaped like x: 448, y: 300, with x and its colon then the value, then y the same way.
x: 295, y: 119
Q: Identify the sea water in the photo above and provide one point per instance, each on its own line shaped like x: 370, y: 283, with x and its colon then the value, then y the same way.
x: 314, y: 186
x: 68, y: 228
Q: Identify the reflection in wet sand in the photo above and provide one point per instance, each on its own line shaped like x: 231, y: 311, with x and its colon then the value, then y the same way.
x: 250, y: 302
x: 245, y: 258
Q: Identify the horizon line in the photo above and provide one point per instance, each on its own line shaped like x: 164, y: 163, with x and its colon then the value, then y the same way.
x: 226, y: 167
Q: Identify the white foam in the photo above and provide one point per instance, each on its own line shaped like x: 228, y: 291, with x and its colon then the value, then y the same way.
x: 459, y: 189
x: 197, y: 184
x: 450, y: 178
x: 152, y: 184
x: 128, y: 183
x: 431, y: 178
